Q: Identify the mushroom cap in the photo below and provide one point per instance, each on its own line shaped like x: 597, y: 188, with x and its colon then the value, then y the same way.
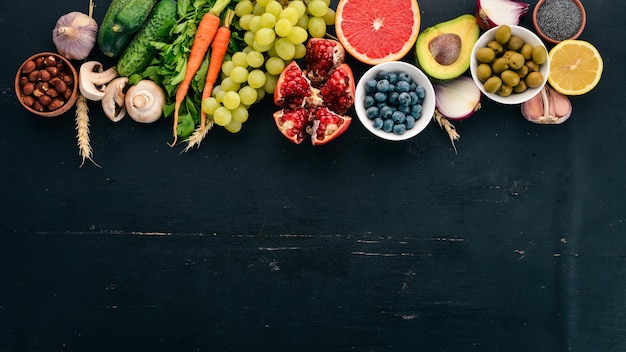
x: 113, y: 100
x: 93, y: 79
x: 144, y: 101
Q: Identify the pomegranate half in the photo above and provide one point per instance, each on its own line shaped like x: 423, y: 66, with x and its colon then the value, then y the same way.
x: 313, y: 102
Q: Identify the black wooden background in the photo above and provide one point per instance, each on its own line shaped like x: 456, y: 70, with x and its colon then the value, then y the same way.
x: 250, y: 243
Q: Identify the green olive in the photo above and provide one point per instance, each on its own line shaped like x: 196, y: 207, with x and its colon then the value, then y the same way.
x: 522, y: 72
x: 510, y: 78
x: 521, y: 87
x: 516, y: 61
x: 493, y: 84
x: 540, y: 55
x: 532, y: 66
x: 503, y: 34
x: 515, y: 43
x: 534, y: 79
x: 499, y: 65
x: 507, y: 54
x: 527, y: 51
x: 496, y: 47
x: 505, y: 90
x: 485, y: 55
x: 483, y: 72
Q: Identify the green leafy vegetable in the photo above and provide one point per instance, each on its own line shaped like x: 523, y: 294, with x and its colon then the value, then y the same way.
x: 168, y: 68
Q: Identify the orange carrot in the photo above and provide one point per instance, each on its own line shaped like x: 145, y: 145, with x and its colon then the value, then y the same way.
x: 218, y: 52
x: 204, y: 37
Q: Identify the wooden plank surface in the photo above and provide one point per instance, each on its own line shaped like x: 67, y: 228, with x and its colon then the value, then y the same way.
x: 251, y: 243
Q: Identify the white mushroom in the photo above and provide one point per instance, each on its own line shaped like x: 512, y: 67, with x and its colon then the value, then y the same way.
x: 113, y: 100
x: 93, y: 79
x: 144, y: 101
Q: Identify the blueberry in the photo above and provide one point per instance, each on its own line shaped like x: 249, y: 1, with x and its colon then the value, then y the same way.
x: 388, y: 125
x: 403, y: 76
x: 378, y: 123
x: 415, y: 98
x: 383, y: 86
x: 380, y: 97
x: 399, y: 128
x: 393, y: 77
x: 368, y: 101
x: 403, y: 86
x: 409, y: 121
x: 370, y: 86
x: 386, y: 112
x: 372, y: 112
x: 405, y: 109
x: 392, y: 98
x: 416, y: 111
x: 382, y: 75
x: 397, y: 116
x: 404, y: 98
x: 420, y: 91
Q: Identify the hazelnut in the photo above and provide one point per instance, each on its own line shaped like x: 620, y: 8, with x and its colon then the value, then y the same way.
x: 33, y: 76
x: 55, y: 104
x: 53, y: 70
x: 29, y: 67
x: 68, y: 94
x: 28, y: 88
x: 68, y: 79
x: 52, y: 93
x: 44, y: 75
x: 38, y: 92
x: 49, y: 61
x: 37, y: 106
x: 23, y: 81
x: 44, y: 100
x: 28, y: 100
x: 60, y: 86
x: 39, y: 63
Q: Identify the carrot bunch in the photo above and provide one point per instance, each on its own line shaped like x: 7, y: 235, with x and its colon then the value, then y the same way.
x: 209, y: 35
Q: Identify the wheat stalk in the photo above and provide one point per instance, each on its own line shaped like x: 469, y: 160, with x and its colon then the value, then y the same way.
x: 82, y: 130
x: 198, y: 136
x: 448, y: 127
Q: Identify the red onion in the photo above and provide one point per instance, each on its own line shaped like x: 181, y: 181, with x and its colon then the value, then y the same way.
x: 492, y: 13
x: 457, y: 99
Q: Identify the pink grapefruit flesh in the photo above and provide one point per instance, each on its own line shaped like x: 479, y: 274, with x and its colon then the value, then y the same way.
x: 375, y: 31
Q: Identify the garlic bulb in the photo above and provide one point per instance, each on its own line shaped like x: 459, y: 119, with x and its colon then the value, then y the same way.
x: 549, y: 107
x: 75, y: 35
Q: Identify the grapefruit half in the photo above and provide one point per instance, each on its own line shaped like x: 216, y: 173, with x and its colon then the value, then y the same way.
x: 375, y: 31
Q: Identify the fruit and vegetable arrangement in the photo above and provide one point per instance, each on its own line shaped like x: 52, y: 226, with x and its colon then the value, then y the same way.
x: 204, y: 64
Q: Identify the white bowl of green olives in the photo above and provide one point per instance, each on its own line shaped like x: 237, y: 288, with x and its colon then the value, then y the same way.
x: 509, y: 64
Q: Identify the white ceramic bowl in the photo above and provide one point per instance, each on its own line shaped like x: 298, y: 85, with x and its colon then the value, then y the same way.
x: 428, y: 103
x: 515, y: 98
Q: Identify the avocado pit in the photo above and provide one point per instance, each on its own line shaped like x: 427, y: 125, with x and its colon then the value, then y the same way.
x: 445, y: 48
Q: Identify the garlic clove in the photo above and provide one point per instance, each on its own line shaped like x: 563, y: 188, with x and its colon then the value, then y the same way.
x: 549, y: 107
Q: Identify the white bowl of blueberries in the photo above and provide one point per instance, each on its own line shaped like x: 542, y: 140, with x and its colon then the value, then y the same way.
x: 394, y: 100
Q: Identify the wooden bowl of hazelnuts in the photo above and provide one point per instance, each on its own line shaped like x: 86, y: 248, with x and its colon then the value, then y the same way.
x: 46, y: 84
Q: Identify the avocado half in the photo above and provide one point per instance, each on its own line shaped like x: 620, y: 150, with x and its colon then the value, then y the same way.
x: 443, y: 51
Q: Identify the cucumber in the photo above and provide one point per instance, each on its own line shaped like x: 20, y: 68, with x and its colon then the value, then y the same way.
x: 140, y: 52
x: 121, y: 21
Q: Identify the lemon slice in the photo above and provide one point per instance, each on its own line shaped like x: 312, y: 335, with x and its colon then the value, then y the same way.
x: 575, y: 67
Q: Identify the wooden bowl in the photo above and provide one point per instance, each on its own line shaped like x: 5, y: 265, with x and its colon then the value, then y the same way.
x: 556, y: 41
x: 66, y: 66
